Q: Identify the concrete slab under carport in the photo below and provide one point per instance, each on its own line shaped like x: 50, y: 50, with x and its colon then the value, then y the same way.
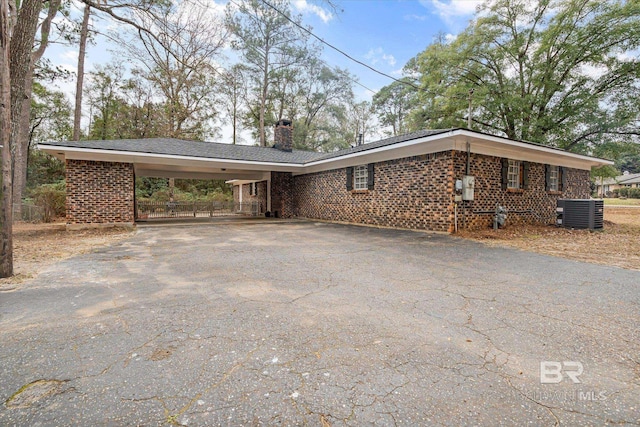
x: 313, y: 323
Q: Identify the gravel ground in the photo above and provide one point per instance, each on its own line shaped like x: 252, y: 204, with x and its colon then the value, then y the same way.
x: 316, y: 324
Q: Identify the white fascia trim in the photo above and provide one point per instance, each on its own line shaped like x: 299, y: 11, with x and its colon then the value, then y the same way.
x: 56, y: 148
x: 534, y: 147
x: 244, y: 181
x: 384, y: 148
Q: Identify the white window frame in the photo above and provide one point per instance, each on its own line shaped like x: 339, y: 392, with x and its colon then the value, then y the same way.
x: 360, y: 177
x: 554, y: 178
x: 513, y: 174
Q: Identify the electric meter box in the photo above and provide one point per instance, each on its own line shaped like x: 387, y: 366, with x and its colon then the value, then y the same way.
x: 468, y: 187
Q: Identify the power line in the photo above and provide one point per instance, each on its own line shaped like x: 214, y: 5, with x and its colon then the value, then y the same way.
x: 321, y: 40
x: 352, y: 79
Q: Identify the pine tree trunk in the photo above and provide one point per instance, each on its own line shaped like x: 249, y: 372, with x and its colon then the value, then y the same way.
x: 6, y: 212
x: 21, y: 149
x: 21, y: 68
x: 77, y: 115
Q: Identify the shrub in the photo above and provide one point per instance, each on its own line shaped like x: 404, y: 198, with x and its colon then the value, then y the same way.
x: 623, y: 192
x: 634, y: 193
x: 51, y: 199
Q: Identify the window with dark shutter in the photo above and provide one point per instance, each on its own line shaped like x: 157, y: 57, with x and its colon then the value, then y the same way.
x: 349, y: 179
x: 370, y: 179
x: 562, y: 178
x: 525, y: 175
x: 505, y: 173
x: 255, y: 190
x: 547, y: 177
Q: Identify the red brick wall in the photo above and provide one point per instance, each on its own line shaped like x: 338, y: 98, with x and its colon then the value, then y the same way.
x: 413, y: 192
x: 417, y: 193
x: 99, y: 192
x: 533, y: 205
x: 282, y: 194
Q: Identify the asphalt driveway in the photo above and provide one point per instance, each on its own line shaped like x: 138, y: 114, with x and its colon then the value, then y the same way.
x: 319, y: 324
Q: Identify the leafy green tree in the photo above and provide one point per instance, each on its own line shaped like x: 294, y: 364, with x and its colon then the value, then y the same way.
x: 629, y: 162
x: 43, y: 169
x: 319, y: 89
x: 561, y: 73
x: 50, y: 116
x: 271, y: 47
x: 103, y: 94
x: 392, y: 104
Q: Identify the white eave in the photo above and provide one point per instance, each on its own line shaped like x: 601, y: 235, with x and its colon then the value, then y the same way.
x: 147, y: 163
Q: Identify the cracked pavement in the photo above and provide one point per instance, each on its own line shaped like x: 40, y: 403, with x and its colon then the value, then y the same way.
x: 319, y: 324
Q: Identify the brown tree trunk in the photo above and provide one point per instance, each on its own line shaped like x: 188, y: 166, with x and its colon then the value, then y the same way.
x: 77, y: 114
x: 20, y: 64
x: 21, y: 148
x: 6, y: 212
x: 24, y: 58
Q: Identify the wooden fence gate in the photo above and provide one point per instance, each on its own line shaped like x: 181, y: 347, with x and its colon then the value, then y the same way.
x: 149, y: 210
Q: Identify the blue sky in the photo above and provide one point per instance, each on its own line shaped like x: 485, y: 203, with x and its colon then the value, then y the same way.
x: 382, y: 33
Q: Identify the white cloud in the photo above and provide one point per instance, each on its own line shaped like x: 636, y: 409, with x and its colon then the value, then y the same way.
x: 595, y: 72
x: 377, y: 55
x: 414, y: 17
x: 453, y: 8
x: 303, y: 6
x: 450, y: 37
x: 69, y: 55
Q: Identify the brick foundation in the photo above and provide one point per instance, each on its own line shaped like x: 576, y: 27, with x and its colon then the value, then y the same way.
x: 99, y: 193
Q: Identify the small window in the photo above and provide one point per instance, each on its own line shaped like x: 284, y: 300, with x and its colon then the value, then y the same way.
x: 360, y: 178
x: 513, y: 174
x: 253, y: 189
x: 554, y: 178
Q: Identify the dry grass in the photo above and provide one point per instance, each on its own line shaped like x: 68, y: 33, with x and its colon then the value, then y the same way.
x: 617, y: 245
x: 622, y: 202
x: 35, y: 246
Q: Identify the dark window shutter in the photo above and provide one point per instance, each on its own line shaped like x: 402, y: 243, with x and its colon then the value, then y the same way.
x: 525, y: 175
x: 349, y: 179
x: 547, y: 177
x: 370, y: 172
x: 255, y: 192
x: 505, y: 173
x: 562, y: 178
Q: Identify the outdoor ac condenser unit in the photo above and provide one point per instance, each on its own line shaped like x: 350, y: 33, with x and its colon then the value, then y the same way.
x: 580, y: 213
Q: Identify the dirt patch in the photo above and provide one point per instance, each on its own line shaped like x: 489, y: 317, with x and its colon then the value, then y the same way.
x: 33, y: 392
x: 161, y: 354
x: 35, y: 246
x: 617, y: 245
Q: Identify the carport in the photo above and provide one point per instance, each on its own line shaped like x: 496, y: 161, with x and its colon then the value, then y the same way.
x: 101, y: 174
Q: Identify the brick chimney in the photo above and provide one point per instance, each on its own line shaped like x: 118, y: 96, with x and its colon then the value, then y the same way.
x: 284, y: 135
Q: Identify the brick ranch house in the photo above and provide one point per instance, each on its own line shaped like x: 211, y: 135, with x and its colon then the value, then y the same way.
x: 415, y: 181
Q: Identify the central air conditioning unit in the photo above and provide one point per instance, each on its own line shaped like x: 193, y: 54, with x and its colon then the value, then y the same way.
x: 580, y: 213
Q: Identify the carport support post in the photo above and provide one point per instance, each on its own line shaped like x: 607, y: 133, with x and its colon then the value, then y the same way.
x: 269, y: 194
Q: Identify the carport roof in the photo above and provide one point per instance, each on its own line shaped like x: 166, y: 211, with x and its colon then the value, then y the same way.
x: 200, y: 149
